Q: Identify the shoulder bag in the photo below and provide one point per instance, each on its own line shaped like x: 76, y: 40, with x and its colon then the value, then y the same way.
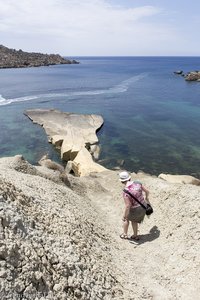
x: 148, y: 208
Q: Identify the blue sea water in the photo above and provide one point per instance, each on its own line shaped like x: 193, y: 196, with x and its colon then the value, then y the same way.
x: 151, y: 116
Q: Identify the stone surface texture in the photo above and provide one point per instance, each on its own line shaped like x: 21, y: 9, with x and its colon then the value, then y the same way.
x: 60, y: 242
x: 187, y: 179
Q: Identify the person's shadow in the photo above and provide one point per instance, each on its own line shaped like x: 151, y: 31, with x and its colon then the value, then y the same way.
x: 153, y: 234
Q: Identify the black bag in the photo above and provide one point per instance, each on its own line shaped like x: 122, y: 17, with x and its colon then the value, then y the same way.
x: 148, y: 208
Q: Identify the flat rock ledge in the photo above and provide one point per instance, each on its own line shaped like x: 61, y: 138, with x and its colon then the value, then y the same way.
x: 74, y: 135
x: 185, y: 179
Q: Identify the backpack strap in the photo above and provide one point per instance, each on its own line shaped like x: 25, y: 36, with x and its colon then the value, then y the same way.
x: 129, y: 193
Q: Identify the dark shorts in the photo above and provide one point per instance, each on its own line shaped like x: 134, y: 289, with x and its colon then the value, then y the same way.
x: 137, y: 214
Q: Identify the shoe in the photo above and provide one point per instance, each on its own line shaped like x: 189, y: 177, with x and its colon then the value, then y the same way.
x: 135, y: 238
x: 123, y: 236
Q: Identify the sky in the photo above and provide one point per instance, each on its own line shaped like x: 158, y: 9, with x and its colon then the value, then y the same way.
x: 102, y: 27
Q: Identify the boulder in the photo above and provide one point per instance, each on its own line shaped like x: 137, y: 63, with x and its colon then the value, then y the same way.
x: 95, y: 151
x: 48, y: 163
x: 185, y: 179
x: 83, y: 164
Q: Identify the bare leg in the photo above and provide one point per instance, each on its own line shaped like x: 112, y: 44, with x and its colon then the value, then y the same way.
x: 125, y: 227
x: 135, y: 229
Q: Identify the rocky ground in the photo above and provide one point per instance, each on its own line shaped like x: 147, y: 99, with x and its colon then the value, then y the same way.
x: 62, y: 241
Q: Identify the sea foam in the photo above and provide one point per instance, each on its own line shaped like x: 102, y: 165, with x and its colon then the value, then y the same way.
x: 119, y: 88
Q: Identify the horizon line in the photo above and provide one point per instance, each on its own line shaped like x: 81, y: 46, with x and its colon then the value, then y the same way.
x: 131, y: 55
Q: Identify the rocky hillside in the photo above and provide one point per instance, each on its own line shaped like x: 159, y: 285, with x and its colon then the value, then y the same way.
x: 11, y: 58
x: 62, y: 241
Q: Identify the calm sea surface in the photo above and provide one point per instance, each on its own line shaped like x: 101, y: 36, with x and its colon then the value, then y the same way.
x: 152, y: 117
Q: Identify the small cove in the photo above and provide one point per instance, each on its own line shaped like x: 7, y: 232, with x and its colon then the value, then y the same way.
x: 152, y: 117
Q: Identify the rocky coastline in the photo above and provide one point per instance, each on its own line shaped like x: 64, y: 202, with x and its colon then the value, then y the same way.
x: 60, y: 233
x: 11, y: 58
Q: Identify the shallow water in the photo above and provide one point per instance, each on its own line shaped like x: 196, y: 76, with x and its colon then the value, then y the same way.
x: 152, y: 117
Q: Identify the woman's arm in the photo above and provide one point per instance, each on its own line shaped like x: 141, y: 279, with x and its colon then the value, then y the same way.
x: 146, y: 194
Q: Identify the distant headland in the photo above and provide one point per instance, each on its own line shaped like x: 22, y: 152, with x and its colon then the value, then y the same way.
x: 11, y: 58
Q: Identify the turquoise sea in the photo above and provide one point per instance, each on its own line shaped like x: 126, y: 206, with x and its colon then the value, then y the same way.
x: 151, y: 115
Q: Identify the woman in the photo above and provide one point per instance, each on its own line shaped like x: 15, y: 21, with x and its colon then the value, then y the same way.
x: 133, y: 212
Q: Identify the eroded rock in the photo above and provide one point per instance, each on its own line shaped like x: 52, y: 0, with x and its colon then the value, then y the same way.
x: 74, y: 135
x: 186, y: 179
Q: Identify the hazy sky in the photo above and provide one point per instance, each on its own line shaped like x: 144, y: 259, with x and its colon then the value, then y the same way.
x: 102, y: 27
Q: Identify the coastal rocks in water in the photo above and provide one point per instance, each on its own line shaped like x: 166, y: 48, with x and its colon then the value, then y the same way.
x: 11, y: 58
x: 190, y: 76
x: 193, y: 76
x: 73, y: 134
x: 179, y: 72
x: 186, y: 179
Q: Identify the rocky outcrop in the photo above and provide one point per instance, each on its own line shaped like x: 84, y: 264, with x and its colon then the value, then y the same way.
x: 52, y: 165
x: 11, y: 58
x: 190, y: 76
x: 193, y: 76
x: 74, y: 135
x: 186, y: 179
x: 178, y: 72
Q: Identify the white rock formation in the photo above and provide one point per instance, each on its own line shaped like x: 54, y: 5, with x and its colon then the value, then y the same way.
x: 73, y: 134
x: 187, y: 179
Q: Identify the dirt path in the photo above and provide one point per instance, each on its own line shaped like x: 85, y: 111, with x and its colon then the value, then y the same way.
x: 148, y: 269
